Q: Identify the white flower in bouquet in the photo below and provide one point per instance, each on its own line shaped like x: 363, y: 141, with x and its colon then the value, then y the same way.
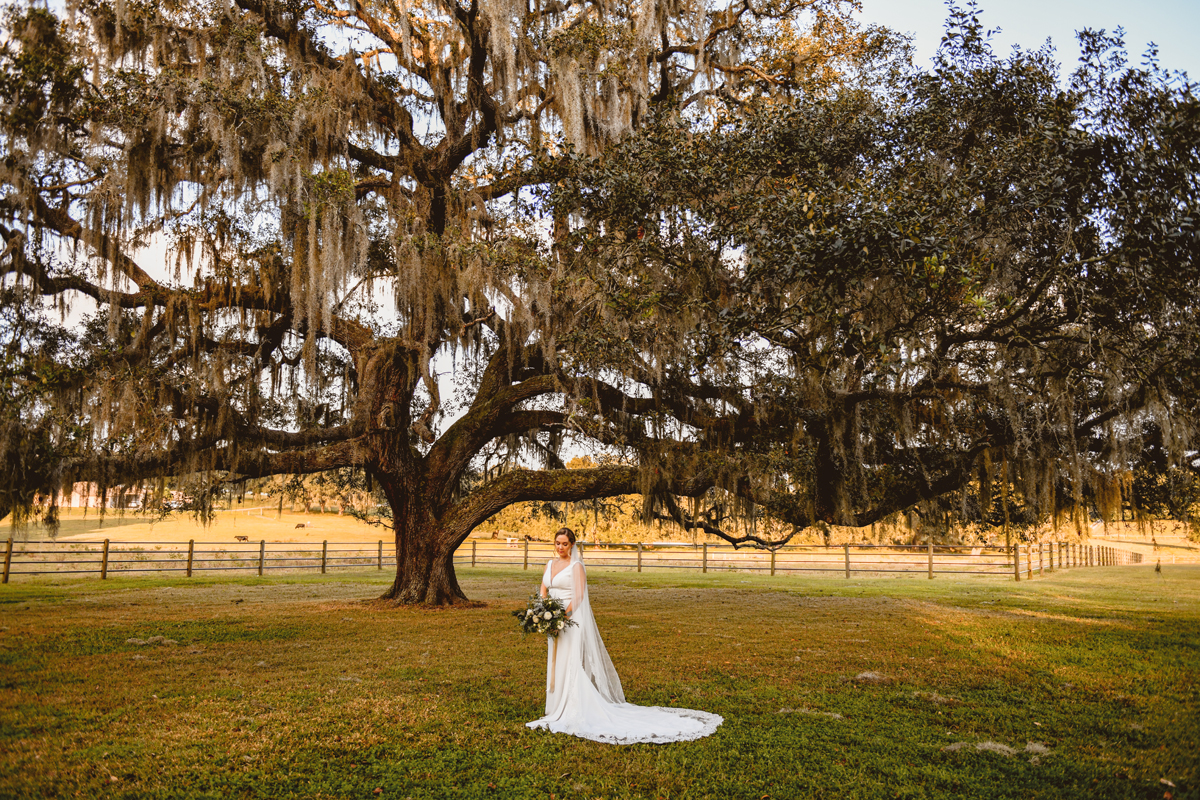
x: 543, y: 615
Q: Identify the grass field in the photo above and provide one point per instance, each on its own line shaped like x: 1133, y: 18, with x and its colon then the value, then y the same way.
x: 86, y: 525
x: 1085, y: 683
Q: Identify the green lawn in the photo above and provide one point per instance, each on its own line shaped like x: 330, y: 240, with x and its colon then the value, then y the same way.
x: 296, y: 687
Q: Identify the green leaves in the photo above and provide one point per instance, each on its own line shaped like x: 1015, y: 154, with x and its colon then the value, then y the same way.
x: 974, y: 259
x: 40, y: 79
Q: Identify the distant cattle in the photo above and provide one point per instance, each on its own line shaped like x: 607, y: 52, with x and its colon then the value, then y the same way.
x: 303, y: 524
x: 241, y: 538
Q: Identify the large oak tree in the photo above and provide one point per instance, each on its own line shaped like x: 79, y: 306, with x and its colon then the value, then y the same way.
x: 681, y: 234
x: 343, y: 189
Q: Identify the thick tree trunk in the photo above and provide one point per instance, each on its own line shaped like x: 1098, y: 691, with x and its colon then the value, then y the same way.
x: 424, y: 551
x: 425, y: 573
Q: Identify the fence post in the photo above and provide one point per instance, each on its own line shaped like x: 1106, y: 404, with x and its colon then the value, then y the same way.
x: 191, y: 553
x: 324, y: 554
x: 930, y: 558
x: 1029, y: 561
x: 1016, y: 554
x: 846, y: 549
x: 704, y: 557
x: 1041, y: 558
x: 473, y: 543
x: 639, y: 548
x: 526, y: 555
x: 772, y: 563
x: 262, y: 552
x: 8, y: 558
x: 379, y: 560
x: 104, y: 561
x: 1050, y: 554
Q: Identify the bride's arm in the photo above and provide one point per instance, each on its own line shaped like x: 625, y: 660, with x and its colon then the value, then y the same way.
x: 545, y: 577
x: 579, y: 586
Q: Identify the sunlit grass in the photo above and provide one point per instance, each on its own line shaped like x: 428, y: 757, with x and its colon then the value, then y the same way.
x: 296, y: 686
x: 87, y: 525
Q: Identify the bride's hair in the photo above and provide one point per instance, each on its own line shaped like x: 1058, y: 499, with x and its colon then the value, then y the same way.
x: 567, y: 532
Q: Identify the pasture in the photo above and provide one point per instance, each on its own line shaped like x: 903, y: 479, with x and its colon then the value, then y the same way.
x: 259, y: 522
x: 1084, y: 683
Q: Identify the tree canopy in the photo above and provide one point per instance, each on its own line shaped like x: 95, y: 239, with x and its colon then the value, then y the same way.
x: 335, y: 184
x: 743, y: 252
x: 971, y: 294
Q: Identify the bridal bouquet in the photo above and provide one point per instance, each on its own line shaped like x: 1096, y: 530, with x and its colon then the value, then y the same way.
x: 543, y: 615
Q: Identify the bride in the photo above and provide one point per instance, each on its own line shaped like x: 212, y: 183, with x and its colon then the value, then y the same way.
x: 583, y: 692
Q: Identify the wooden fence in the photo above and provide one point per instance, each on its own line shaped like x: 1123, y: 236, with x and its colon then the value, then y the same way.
x: 121, y: 558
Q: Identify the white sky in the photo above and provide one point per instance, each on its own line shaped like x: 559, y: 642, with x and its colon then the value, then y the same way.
x: 1174, y: 25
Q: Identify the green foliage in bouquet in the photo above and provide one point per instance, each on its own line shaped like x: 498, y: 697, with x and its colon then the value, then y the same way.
x: 543, y: 615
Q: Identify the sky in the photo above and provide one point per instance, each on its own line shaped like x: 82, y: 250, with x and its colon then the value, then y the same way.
x: 1174, y: 25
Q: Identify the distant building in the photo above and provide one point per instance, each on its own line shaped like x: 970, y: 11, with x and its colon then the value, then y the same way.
x: 87, y: 495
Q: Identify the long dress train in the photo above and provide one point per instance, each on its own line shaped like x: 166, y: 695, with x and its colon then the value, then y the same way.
x: 583, y: 693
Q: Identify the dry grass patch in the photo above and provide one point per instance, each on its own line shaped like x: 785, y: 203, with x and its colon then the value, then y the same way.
x: 131, y: 526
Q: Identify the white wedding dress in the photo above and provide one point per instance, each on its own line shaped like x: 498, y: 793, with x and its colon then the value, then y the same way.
x: 583, y: 692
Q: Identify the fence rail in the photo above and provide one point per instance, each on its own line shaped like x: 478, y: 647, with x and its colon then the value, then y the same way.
x: 119, y: 558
